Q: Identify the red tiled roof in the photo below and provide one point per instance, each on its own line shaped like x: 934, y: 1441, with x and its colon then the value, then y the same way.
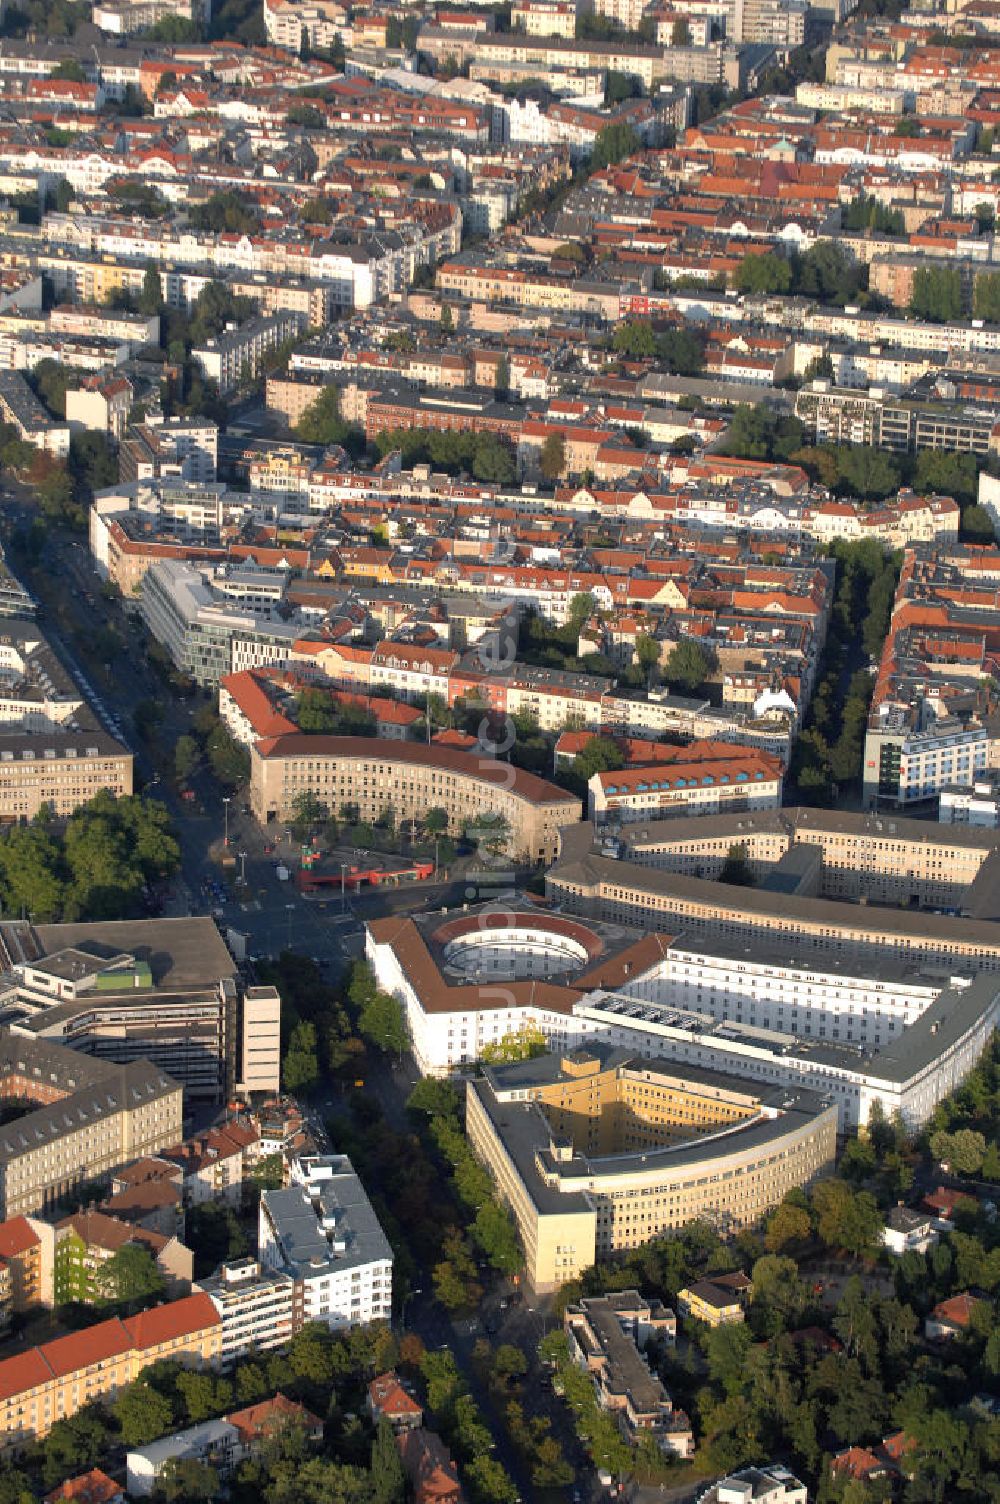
x: 96, y: 1344
x: 167, y: 1323
x: 262, y: 1419
x: 388, y: 1397
x: 23, y: 1372
x: 17, y: 1236
x: 94, y: 1487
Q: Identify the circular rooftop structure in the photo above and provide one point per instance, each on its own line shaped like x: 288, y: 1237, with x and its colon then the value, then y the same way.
x: 515, y: 946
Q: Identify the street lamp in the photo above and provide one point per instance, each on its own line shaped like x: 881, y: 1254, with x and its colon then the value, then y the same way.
x: 343, y: 872
x: 243, y: 869
x: 225, y: 815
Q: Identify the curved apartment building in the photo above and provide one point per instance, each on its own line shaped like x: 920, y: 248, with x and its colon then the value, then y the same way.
x: 410, y: 778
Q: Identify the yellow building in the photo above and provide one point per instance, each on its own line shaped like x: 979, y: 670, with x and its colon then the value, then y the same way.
x: 599, y: 1151
x: 54, y: 1381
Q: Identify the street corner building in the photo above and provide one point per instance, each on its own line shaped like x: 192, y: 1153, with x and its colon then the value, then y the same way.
x: 599, y: 1151
x: 411, y: 778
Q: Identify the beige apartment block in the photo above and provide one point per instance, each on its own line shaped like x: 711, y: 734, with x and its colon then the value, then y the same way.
x: 62, y: 769
x: 410, y: 778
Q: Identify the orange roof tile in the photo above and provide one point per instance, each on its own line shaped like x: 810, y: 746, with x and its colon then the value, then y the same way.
x: 167, y: 1323
x: 17, y: 1236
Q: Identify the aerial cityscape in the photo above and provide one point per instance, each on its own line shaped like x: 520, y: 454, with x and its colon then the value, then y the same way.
x: 500, y: 751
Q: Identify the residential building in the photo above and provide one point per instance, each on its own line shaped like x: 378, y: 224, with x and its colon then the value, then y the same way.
x: 27, y: 1259
x: 51, y: 1382
x: 255, y: 1304
x: 388, y: 1400
x: 20, y: 407
x: 221, y: 1444
x: 909, y: 1231
x: 978, y: 805
x: 429, y: 1469
x: 607, y: 1337
x: 719, y: 1300
x: 951, y: 1317
x: 237, y: 355
x: 87, y: 1117
x: 323, y: 1233
x: 217, y: 623
x: 86, y: 1242
x: 100, y: 404
x: 870, y: 1464
x: 164, y: 990
x: 93, y: 1487
x: 735, y: 779
x: 770, y: 1483
x: 874, y: 1024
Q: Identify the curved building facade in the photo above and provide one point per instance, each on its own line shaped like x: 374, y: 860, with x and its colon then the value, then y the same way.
x: 598, y: 1151
x: 410, y: 778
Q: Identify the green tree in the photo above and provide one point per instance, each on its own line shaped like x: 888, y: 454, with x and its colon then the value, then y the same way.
x: 130, y: 1277
x: 846, y: 1219
x: 382, y: 1022
x: 73, y: 1444
x: 938, y: 472
x: 224, y: 211
x: 493, y: 460
x: 552, y: 460
x: 828, y: 272
x: 321, y: 422
x: 621, y: 86
x: 766, y: 273
x: 680, y: 35
x: 688, y: 665
x: 750, y: 433
x: 600, y: 755
x: 388, y: 1481
x: 230, y: 763
x: 143, y: 1415
x: 937, y: 294
x: 866, y: 471
x: 151, y: 297
x: 300, y: 1067
x: 962, y: 1150
x: 613, y: 144
x: 185, y: 1480
x: 187, y: 755
x: 635, y: 339
x: 493, y: 1231
x: 307, y: 810
x: 681, y: 352
x: 69, y: 68
x: 314, y: 711
x: 30, y: 877
x: 787, y: 1226
x: 779, y: 1295
x: 523, y: 1043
